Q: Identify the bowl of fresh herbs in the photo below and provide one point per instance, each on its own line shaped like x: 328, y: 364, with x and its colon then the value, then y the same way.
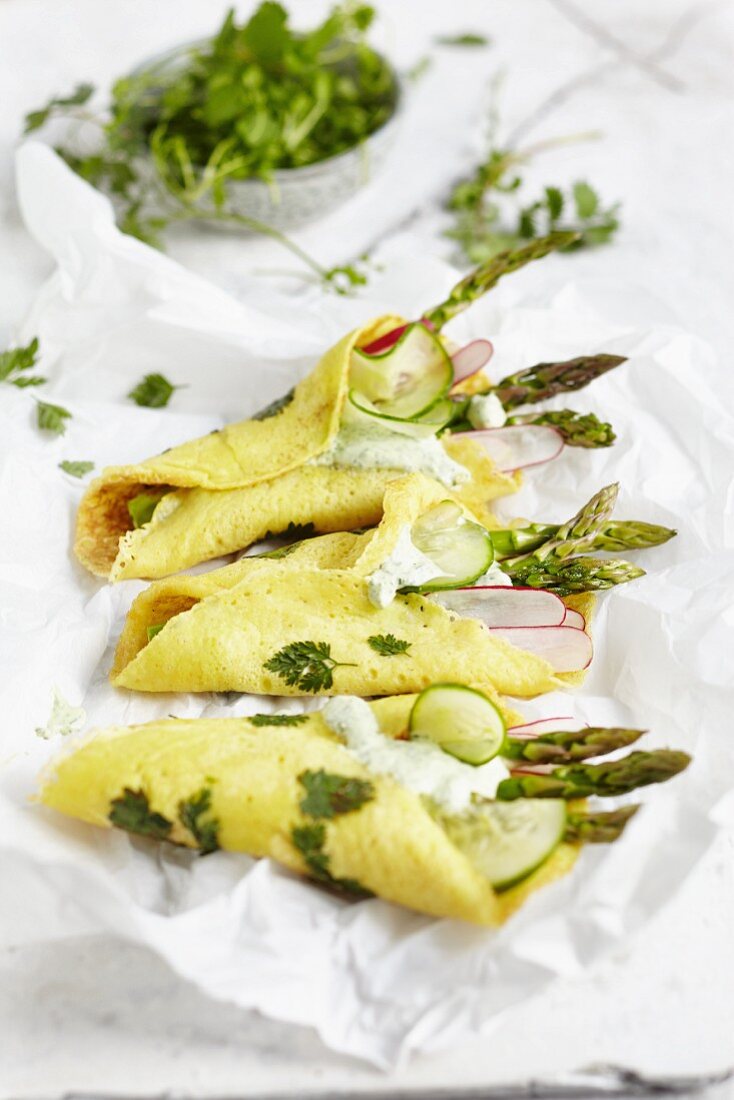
x: 260, y: 126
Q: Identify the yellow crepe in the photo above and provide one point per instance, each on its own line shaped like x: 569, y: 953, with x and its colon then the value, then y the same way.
x: 238, y: 485
x: 222, y: 628
x: 391, y: 846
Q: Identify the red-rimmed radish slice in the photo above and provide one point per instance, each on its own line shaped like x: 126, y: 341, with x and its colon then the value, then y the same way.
x: 542, y: 725
x: 470, y: 359
x: 566, y: 648
x: 519, y: 445
x: 574, y: 618
x: 382, y: 343
x: 505, y: 606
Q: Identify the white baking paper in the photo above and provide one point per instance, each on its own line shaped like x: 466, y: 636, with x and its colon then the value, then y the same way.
x: 375, y: 981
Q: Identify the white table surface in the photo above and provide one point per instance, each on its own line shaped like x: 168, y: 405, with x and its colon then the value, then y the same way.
x: 99, y: 1015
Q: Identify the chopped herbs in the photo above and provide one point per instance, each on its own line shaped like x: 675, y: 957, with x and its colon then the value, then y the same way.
x: 142, y: 507
x: 274, y: 407
x: 154, y: 392
x: 467, y: 39
x: 76, y: 469
x: 330, y: 795
x: 151, y: 631
x: 278, y: 719
x: 15, y: 361
x: 52, y: 418
x: 193, y: 813
x: 309, y: 840
x: 306, y: 665
x: 131, y: 811
x: 387, y: 645
x: 255, y: 97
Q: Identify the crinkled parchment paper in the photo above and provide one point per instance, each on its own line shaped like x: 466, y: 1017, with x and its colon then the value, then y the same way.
x: 375, y: 981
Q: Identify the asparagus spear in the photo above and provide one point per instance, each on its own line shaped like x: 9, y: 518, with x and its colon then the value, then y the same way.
x: 598, y: 828
x: 577, y: 533
x: 630, y: 534
x: 567, y: 746
x: 487, y: 275
x: 574, y: 574
x: 548, y: 379
x: 576, y: 429
x: 612, y: 778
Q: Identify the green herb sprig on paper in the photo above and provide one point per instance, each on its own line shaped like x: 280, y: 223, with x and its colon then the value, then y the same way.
x: 255, y: 98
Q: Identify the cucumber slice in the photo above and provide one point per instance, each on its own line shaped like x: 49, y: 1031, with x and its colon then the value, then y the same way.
x: 507, y: 847
x: 406, y: 380
x: 460, y: 548
x: 461, y: 720
x: 438, y: 417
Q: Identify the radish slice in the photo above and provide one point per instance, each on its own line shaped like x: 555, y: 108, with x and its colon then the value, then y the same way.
x: 504, y: 606
x: 542, y: 725
x: 382, y: 343
x: 520, y: 445
x: 470, y: 359
x: 574, y: 618
x: 566, y: 648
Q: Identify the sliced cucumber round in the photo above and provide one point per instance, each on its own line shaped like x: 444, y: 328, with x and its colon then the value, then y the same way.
x: 464, y: 722
x: 507, y: 841
x: 438, y: 417
x: 460, y: 548
x: 406, y: 380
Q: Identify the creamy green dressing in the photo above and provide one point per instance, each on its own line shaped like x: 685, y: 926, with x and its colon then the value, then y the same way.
x: 421, y: 766
x: 367, y: 446
x: 406, y: 566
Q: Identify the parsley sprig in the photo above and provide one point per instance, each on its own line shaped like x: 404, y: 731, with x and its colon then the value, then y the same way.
x: 306, y: 665
x: 195, y: 815
x: 131, y: 811
x: 154, y: 391
x: 329, y: 795
x: 387, y: 645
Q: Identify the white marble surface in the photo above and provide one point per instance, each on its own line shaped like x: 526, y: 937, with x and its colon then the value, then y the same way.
x: 100, y: 1015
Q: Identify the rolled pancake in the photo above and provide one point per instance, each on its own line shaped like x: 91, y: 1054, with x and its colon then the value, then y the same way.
x: 247, y: 779
x: 233, y: 487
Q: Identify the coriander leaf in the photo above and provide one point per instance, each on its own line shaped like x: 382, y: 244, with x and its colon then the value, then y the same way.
x: 34, y: 120
x: 586, y: 200
x: 51, y: 418
x: 467, y: 39
x: 142, y: 507
x: 15, y: 360
x: 266, y: 35
x: 555, y: 202
x: 387, y: 645
x: 274, y: 407
x: 309, y: 840
x: 76, y: 469
x: 151, y: 631
x: 306, y: 665
x: 330, y: 795
x: 154, y: 392
x: 132, y: 811
x: 191, y: 811
x: 278, y: 719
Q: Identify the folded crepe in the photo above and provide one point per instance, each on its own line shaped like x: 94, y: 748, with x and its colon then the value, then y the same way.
x: 252, y: 479
x: 304, y: 623
x: 287, y: 788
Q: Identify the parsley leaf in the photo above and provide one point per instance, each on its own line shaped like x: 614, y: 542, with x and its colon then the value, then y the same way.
x: 307, y: 665
x: 52, y: 418
x: 154, y: 392
x: 131, y: 811
x: 387, y: 645
x: 191, y: 811
x: 274, y: 407
x: 329, y: 795
x: 278, y: 719
x: 34, y: 120
x: 16, y: 360
x: 76, y: 469
x: 467, y: 39
x: 309, y: 840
